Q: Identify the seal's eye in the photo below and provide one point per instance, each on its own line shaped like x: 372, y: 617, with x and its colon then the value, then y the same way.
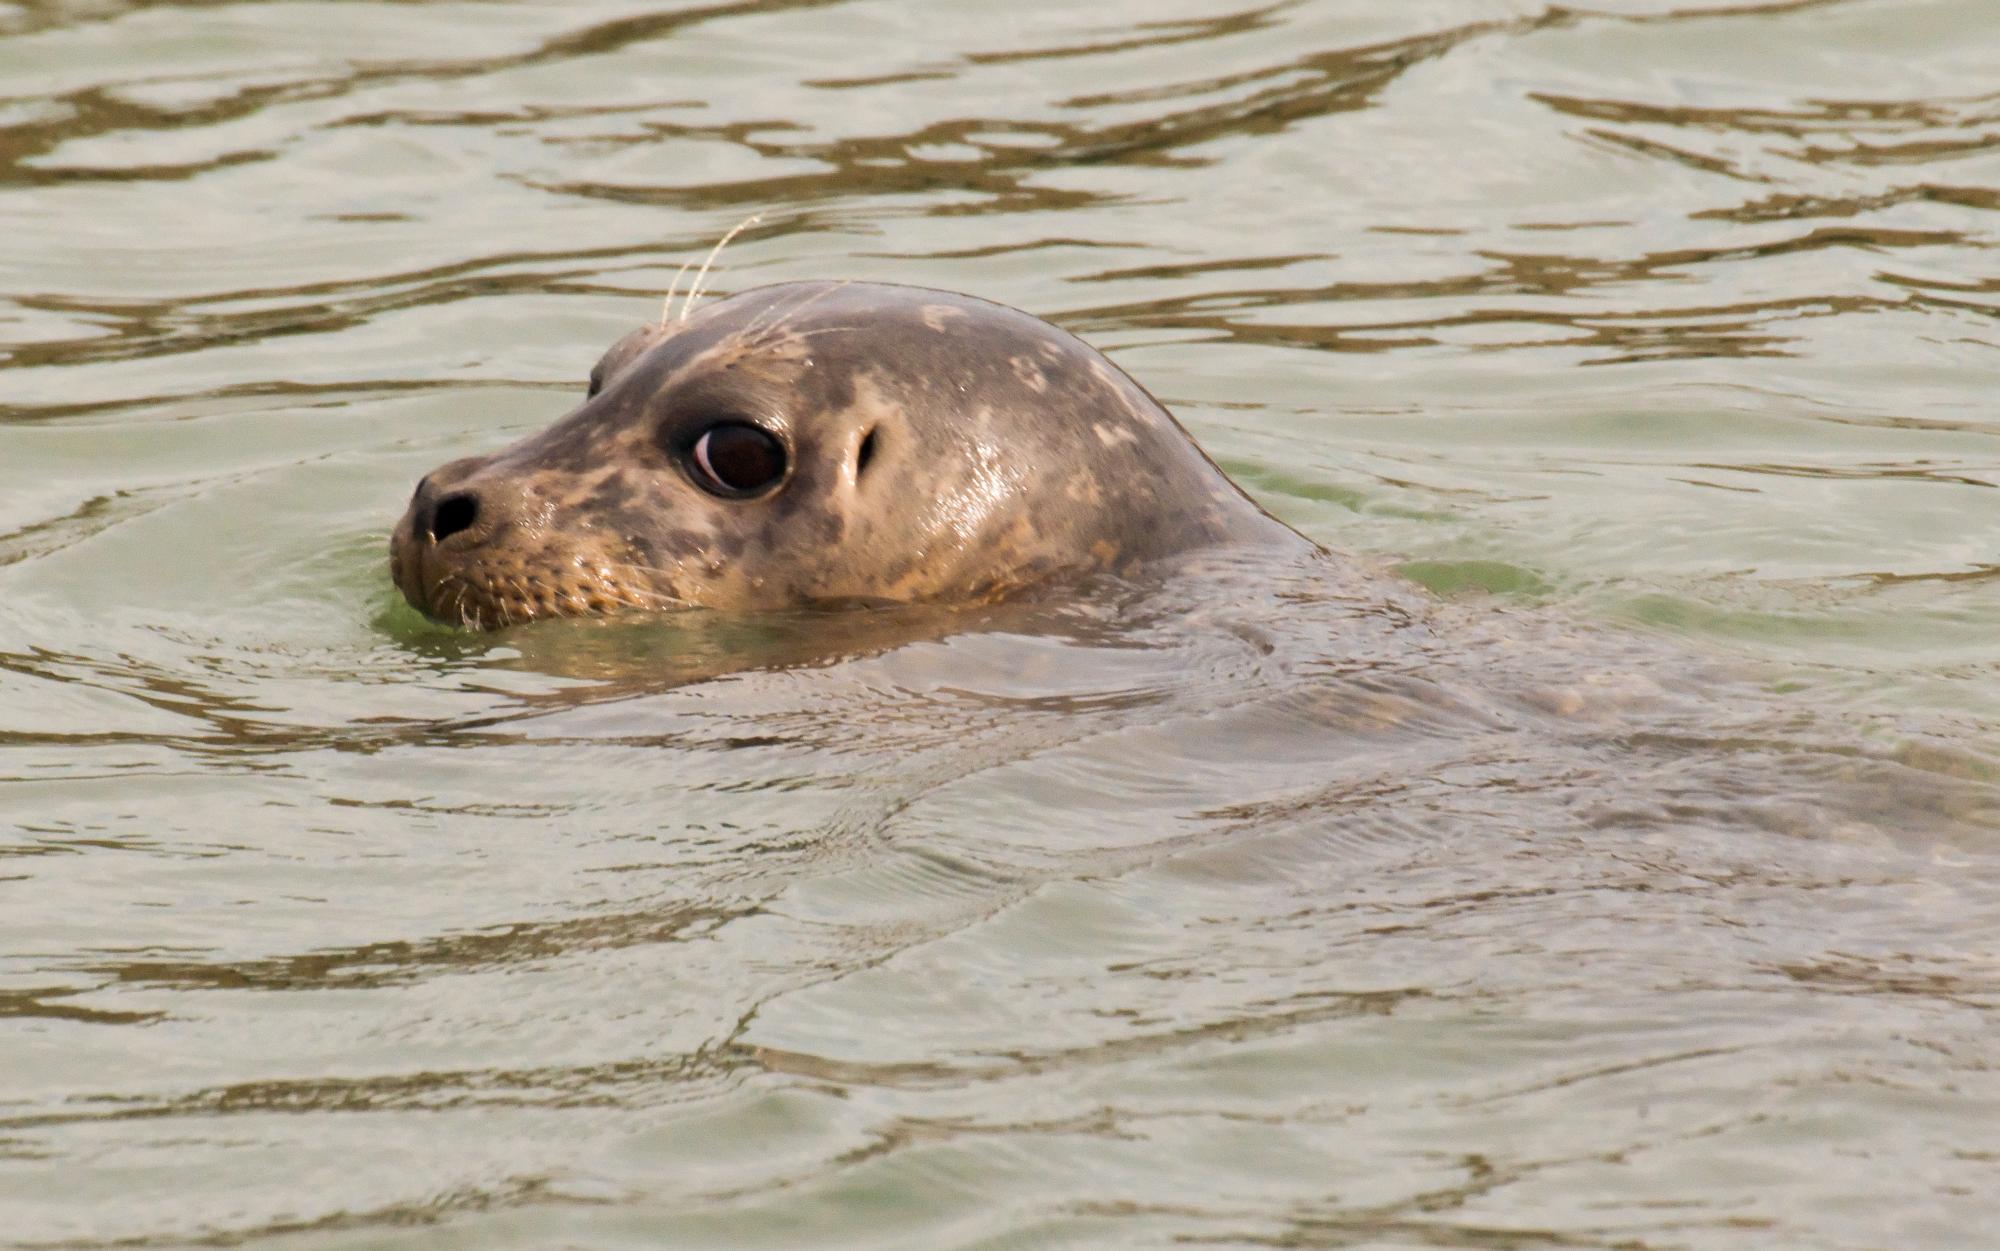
x: 596, y: 382
x: 737, y: 459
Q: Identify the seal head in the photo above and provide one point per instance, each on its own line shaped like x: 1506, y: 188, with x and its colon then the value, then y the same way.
x: 815, y: 443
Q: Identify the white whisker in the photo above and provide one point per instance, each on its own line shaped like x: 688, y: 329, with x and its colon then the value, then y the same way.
x: 626, y: 566
x: 765, y: 322
x: 667, y: 309
x: 458, y: 602
x: 820, y: 330
x: 694, y: 292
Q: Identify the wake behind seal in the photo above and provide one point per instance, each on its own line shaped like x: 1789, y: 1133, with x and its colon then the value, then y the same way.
x: 821, y: 443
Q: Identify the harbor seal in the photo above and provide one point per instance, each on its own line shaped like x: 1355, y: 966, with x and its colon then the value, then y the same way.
x: 820, y: 443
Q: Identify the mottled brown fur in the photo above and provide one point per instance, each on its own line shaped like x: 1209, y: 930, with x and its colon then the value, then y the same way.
x: 1005, y: 452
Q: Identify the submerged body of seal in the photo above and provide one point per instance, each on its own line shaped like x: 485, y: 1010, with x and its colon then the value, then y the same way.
x: 821, y: 442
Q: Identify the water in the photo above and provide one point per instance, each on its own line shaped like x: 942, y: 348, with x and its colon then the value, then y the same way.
x: 1600, y: 851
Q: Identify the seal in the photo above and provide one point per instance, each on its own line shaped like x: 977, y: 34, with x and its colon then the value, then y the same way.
x: 821, y: 443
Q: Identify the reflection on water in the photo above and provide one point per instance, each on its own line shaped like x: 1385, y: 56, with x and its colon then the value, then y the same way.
x: 1618, y: 872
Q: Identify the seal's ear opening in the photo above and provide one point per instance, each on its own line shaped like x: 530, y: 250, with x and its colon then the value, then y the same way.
x: 864, y: 454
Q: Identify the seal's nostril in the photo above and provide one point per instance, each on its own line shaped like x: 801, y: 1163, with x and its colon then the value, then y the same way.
x: 453, y: 513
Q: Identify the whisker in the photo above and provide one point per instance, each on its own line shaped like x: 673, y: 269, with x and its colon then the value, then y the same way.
x: 478, y: 605
x: 626, y: 566
x: 667, y: 309
x: 694, y: 292
x: 774, y: 319
x: 458, y: 602
x: 646, y: 597
x: 820, y: 330
x: 640, y: 597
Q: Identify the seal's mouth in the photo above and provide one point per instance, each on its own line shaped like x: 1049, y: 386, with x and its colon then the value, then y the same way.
x: 483, y: 551
x: 483, y: 599
x: 483, y: 590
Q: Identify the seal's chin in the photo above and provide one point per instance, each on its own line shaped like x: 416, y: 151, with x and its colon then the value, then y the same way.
x: 492, y: 595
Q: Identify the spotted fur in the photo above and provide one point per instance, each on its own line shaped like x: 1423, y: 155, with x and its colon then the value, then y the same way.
x: 1002, y: 453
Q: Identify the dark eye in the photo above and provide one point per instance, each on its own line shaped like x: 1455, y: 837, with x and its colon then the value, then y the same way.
x: 596, y: 382
x: 736, y: 459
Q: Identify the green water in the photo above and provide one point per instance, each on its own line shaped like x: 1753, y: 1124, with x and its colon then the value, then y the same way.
x: 1624, y: 873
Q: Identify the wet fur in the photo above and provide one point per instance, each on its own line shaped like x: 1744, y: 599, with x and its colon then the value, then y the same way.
x: 1006, y: 453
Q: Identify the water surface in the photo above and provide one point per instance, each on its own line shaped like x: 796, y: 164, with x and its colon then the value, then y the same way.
x: 1600, y: 849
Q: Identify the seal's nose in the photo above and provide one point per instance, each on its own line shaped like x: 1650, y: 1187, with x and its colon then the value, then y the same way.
x: 453, y: 499
x: 440, y: 519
